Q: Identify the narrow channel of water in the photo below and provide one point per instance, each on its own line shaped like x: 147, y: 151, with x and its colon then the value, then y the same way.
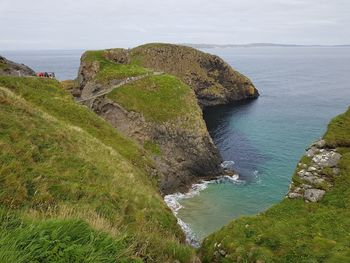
x: 301, y: 90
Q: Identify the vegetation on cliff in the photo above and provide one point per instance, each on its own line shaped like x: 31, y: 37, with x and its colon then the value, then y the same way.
x: 294, y: 230
x: 162, y: 98
x: 109, y: 70
x: 73, y: 189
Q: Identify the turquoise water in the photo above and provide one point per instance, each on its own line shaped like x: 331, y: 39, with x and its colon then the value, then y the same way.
x: 301, y: 90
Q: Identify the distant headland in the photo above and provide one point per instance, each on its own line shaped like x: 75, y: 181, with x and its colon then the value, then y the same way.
x: 257, y: 45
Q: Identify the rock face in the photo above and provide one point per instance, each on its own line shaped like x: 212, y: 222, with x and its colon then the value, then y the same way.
x: 315, y: 177
x: 212, y: 79
x: 11, y: 68
x: 185, y: 155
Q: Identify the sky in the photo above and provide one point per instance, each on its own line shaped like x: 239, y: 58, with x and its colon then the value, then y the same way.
x: 86, y: 24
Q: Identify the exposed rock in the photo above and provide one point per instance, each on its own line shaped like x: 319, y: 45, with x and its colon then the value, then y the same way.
x: 312, y: 175
x: 213, y: 80
x: 311, y: 152
x: 311, y: 169
x: 294, y: 195
x: 320, y: 144
x: 327, y: 159
x: 305, y: 186
x: 11, y: 68
x: 314, y: 195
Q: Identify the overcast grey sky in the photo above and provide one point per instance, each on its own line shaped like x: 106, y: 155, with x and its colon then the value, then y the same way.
x: 75, y: 24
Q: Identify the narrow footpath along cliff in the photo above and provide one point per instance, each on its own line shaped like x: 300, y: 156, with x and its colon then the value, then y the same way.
x: 154, y: 94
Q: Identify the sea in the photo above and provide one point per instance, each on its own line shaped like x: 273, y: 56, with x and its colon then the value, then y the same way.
x: 302, y: 89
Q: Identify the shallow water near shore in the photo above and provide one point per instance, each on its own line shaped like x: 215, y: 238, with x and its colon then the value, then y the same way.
x: 301, y: 90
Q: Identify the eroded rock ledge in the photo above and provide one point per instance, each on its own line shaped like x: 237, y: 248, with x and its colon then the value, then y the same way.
x: 315, y: 173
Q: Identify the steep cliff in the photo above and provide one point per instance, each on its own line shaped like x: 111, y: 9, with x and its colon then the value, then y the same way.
x: 311, y: 224
x: 153, y: 94
x: 10, y: 68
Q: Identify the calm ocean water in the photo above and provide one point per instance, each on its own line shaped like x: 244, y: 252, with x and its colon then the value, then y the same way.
x: 301, y: 90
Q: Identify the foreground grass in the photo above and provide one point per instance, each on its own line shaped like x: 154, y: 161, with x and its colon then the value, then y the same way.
x: 295, y: 231
x: 72, y: 189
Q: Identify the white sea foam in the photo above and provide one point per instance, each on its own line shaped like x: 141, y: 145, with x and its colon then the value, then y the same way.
x: 173, y: 202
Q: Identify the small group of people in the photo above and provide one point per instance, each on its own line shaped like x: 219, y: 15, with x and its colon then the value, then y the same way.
x: 50, y: 75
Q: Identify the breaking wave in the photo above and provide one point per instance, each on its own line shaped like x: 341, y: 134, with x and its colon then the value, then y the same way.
x: 173, y: 201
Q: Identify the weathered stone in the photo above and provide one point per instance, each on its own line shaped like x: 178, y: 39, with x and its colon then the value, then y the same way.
x: 306, y: 186
x: 311, y: 152
x: 320, y: 144
x: 314, y: 195
x: 301, y: 173
x: 294, y: 195
x: 312, y: 169
x: 327, y: 159
x: 313, y: 180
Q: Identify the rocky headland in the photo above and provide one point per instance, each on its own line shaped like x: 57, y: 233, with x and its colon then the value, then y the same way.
x: 155, y: 94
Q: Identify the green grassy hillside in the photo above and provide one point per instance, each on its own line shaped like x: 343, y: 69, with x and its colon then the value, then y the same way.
x: 293, y: 230
x: 72, y: 189
x: 109, y: 70
x: 162, y: 98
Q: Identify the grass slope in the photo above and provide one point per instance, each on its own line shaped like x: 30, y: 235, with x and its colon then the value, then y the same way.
x: 109, y: 70
x: 295, y: 231
x: 162, y: 98
x: 72, y: 189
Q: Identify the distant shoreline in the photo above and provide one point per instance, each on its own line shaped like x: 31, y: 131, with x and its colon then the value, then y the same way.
x: 252, y: 45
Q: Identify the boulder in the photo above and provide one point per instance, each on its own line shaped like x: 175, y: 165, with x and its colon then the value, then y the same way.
x: 314, y: 195
x: 327, y: 159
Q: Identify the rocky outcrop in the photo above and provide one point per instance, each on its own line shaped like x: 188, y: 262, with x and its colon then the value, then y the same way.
x: 10, y: 68
x: 213, y: 80
x: 315, y: 173
x: 187, y: 150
